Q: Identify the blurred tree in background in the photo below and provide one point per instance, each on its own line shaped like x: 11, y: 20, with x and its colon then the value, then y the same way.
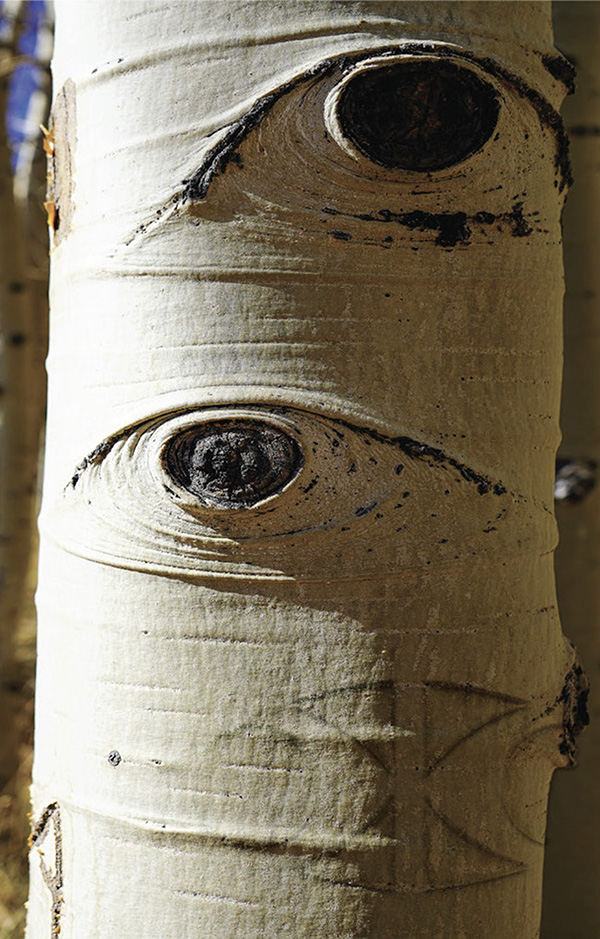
x: 25, y: 49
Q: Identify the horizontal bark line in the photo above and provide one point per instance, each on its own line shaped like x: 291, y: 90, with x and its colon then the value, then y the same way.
x: 286, y: 842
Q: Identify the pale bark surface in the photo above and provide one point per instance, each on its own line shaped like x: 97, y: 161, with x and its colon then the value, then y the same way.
x: 335, y: 711
x: 572, y: 875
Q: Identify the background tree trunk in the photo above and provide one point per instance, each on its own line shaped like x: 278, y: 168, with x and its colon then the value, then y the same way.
x: 300, y: 665
x: 572, y: 900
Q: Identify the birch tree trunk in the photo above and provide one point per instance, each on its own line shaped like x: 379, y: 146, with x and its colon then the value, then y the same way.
x: 572, y: 900
x: 301, y: 670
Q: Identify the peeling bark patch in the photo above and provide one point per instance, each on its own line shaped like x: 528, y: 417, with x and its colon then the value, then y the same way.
x: 52, y: 879
x: 418, y: 116
x: 62, y: 140
x: 232, y: 464
x: 574, y: 479
x: 218, y: 157
x: 574, y: 698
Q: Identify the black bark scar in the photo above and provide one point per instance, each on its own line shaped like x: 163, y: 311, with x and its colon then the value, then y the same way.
x: 574, y: 697
x: 53, y: 881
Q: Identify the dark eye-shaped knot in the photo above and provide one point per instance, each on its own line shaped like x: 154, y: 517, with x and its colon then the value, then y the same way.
x: 417, y: 115
x: 232, y: 464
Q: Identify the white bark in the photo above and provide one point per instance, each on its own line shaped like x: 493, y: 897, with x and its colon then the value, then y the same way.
x: 334, y: 712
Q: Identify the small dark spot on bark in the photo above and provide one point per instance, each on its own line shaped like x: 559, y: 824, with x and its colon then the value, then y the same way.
x: 15, y: 286
x: 520, y: 228
x: 17, y: 339
x: 419, y: 116
x: 341, y: 235
x: 311, y: 484
x: 114, y: 757
x: 399, y: 468
x: 484, y: 218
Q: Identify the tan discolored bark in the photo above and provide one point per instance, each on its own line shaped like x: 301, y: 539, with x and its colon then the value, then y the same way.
x: 301, y: 670
x: 572, y: 900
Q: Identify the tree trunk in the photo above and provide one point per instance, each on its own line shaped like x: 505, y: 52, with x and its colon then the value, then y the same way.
x: 20, y: 422
x: 301, y: 670
x: 572, y: 899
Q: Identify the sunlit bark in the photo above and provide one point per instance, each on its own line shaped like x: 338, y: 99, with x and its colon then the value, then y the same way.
x: 301, y: 671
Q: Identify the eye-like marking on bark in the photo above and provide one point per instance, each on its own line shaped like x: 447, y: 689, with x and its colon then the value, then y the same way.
x: 278, y: 492
x: 232, y: 464
x: 462, y: 71
x: 420, y: 114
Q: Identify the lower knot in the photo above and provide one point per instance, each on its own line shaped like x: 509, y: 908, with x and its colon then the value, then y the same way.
x: 232, y: 464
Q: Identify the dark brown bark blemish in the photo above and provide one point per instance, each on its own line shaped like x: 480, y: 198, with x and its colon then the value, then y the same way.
x: 419, y: 116
x: 574, y: 698
x: 95, y: 457
x: 561, y: 69
x: 233, y: 463
x: 52, y: 879
x: 454, y: 228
